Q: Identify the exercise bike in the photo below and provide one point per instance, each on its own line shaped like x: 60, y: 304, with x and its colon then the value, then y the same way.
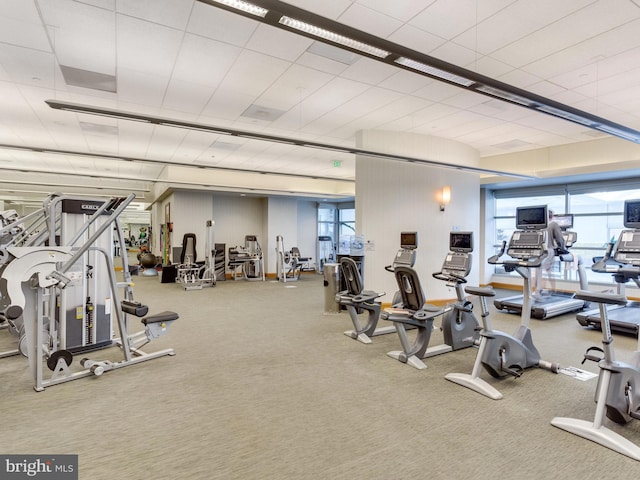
x: 617, y: 394
x: 356, y: 300
x: 501, y: 354
x: 459, y: 325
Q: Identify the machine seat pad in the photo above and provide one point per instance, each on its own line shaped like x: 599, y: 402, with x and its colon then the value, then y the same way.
x: 366, y: 296
x: 160, y: 317
x: 480, y: 291
x: 431, y: 308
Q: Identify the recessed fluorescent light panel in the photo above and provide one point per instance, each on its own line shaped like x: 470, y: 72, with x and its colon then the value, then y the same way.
x: 332, y: 37
x: 512, y: 97
x: 616, y: 131
x: 436, y: 72
x: 566, y: 115
x: 244, y: 7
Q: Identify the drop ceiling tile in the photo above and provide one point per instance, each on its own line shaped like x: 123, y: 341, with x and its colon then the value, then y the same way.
x: 367, y: 20
x: 82, y: 36
x: 455, y: 54
x: 226, y: 105
x: 320, y: 63
x: 220, y: 25
x: 141, y: 88
x: 164, y: 12
x: 603, y: 46
x: 332, y: 9
x: 369, y: 71
x: 500, y: 110
x: 402, y: 10
x: 416, y: 39
x: 20, y: 26
x: 489, y: 67
x: 405, y: 82
x: 582, y: 25
x: 519, y: 78
x: 278, y: 43
x: 253, y: 73
x: 515, y: 21
x: 146, y: 47
x: 446, y: 18
x: 436, y: 91
x: 186, y: 96
x: 204, y: 61
x: 465, y: 100
x: 29, y: 67
x: 292, y: 87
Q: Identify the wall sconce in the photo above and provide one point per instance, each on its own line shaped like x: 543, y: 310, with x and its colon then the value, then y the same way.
x: 445, y: 197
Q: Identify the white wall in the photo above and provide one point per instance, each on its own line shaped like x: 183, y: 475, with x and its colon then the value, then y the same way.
x: 307, y: 222
x: 189, y: 214
x: 282, y: 218
x: 236, y: 217
x: 394, y: 196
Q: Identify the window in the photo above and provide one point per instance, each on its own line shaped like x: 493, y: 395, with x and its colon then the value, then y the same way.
x: 339, y: 223
x: 597, y: 210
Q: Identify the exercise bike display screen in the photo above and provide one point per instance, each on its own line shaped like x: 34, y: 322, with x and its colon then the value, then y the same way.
x: 564, y: 221
x: 409, y: 240
x: 531, y: 218
x: 632, y: 213
x: 461, y: 241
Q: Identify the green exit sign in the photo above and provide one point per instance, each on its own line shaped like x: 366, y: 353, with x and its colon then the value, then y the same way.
x: 337, y: 163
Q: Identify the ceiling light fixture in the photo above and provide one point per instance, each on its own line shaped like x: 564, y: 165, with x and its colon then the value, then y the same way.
x: 88, y: 109
x: 293, y: 19
x: 332, y: 37
x: 434, y: 72
x: 244, y: 7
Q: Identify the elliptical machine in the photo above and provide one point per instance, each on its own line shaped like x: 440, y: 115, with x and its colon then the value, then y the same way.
x: 499, y: 353
x: 616, y: 395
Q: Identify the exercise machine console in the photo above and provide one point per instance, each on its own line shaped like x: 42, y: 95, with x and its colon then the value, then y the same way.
x: 556, y: 302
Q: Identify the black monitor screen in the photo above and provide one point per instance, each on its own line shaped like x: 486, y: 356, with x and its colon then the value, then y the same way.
x: 409, y: 240
x: 461, y: 241
x: 531, y: 218
x: 564, y: 221
x: 632, y: 213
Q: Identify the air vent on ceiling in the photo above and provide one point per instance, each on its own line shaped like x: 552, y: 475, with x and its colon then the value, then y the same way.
x: 333, y: 53
x: 87, y: 79
x: 98, y: 129
x: 228, y: 146
x: 264, y: 114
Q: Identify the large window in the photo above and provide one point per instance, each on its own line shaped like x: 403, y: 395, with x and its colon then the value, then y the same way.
x: 339, y: 223
x: 597, y: 210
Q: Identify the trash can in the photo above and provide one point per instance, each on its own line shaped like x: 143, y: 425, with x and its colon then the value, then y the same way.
x: 331, y: 287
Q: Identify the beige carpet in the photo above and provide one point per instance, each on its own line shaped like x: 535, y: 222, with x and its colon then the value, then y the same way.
x: 264, y: 386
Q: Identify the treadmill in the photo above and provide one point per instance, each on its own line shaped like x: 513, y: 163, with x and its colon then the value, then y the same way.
x: 624, y: 264
x: 557, y: 303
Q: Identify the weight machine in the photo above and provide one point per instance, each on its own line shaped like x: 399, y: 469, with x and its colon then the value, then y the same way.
x: 42, y: 285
